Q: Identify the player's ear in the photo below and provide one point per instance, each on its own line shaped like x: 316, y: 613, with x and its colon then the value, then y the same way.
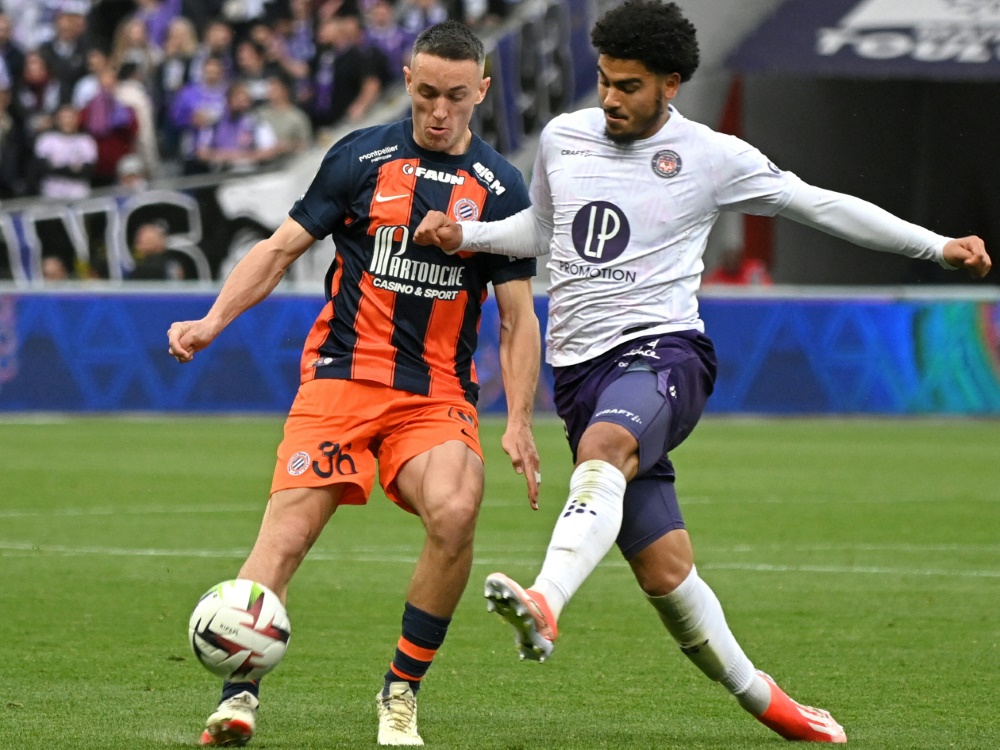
x: 407, y: 77
x: 483, y: 88
x: 671, y: 85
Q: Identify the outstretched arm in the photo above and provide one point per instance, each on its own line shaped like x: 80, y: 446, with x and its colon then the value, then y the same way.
x: 867, y: 225
x: 526, y: 234
x: 520, y: 360
x: 251, y: 281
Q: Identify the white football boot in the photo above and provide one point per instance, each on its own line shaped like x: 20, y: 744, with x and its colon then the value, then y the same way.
x: 233, y: 723
x: 397, y: 716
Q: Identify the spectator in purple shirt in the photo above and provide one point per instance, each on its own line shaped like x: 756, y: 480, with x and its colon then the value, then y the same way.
x: 396, y: 43
x: 199, y: 106
x: 156, y: 16
x: 113, y: 125
x: 300, y: 31
x: 239, y: 140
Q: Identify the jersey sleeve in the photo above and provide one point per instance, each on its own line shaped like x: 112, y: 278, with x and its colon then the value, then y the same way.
x: 540, y: 194
x: 746, y: 181
x: 504, y: 269
x: 329, y: 195
x: 512, y: 201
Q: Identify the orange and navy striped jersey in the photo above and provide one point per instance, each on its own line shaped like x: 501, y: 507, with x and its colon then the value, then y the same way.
x: 398, y: 313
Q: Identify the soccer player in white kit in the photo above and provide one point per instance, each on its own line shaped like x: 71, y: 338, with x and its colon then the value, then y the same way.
x: 623, y: 198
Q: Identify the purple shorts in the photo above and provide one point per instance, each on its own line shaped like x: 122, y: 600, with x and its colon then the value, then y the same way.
x: 656, y: 388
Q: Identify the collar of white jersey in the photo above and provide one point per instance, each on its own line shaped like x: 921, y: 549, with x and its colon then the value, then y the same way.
x: 672, y: 123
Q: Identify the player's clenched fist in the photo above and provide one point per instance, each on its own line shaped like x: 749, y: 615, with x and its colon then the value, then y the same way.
x: 968, y: 253
x: 188, y: 337
x: 438, y: 229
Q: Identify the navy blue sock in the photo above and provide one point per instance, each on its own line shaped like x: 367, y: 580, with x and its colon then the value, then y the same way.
x: 423, y: 634
x: 232, y: 689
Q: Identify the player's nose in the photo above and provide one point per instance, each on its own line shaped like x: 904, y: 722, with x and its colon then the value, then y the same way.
x: 440, y: 108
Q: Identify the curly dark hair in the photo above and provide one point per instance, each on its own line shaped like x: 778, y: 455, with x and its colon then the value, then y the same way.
x: 651, y: 32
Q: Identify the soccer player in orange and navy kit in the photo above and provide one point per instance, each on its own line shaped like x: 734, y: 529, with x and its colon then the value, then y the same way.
x: 387, y: 370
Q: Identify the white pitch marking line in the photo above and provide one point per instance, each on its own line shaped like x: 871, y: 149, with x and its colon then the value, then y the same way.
x: 348, y: 555
x: 867, y: 569
x: 856, y: 547
x: 131, y: 511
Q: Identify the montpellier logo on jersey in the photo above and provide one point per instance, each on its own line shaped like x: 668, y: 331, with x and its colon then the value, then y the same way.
x: 433, y: 174
x: 378, y: 155
x: 966, y: 31
x: 395, y: 273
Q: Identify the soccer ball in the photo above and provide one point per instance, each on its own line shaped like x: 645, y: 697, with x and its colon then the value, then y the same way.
x: 239, y: 630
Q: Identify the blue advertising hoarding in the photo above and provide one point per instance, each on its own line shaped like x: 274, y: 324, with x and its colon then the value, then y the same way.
x: 80, y: 352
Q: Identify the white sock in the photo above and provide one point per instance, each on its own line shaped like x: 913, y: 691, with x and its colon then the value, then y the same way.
x: 585, y: 531
x: 693, y: 615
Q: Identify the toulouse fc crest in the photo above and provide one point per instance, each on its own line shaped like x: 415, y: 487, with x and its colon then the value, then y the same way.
x: 667, y: 163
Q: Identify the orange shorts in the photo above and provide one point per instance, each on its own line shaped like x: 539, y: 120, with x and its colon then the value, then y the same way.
x: 337, y: 429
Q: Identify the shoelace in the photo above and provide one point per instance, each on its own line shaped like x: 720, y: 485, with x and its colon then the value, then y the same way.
x: 402, y: 711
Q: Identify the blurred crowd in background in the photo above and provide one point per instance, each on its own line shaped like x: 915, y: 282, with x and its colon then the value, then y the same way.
x: 95, y: 93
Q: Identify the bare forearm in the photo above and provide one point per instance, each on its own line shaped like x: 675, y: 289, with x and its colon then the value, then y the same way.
x: 520, y: 361
x: 253, y: 279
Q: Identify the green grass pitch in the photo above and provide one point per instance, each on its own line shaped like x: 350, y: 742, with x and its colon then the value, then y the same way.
x: 858, y: 562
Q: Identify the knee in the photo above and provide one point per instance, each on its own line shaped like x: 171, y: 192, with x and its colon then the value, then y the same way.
x: 663, y: 581
x: 664, y: 565
x: 608, y: 442
x: 291, y: 534
x: 451, y: 526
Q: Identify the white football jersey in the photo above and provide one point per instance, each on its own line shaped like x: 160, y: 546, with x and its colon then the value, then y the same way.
x: 630, y: 225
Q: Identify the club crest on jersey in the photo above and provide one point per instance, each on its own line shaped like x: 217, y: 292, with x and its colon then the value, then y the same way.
x: 465, y: 209
x: 298, y: 463
x: 667, y: 164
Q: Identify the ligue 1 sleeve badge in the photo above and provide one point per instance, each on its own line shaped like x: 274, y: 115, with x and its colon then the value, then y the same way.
x: 667, y: 164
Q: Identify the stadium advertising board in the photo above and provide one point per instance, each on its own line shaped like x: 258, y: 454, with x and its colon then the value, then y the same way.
x: 95, y: 353
x: 913, y: 39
